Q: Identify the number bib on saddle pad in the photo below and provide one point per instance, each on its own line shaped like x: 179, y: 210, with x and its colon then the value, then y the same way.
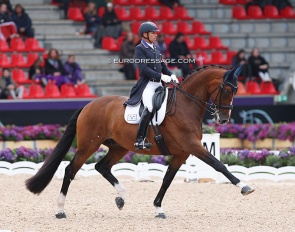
x: 132, y: 113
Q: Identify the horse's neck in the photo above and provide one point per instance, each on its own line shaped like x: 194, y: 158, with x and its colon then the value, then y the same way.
x: 197, y: 86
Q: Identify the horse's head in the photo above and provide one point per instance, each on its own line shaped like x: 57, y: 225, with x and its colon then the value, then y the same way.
x: 222, y: 95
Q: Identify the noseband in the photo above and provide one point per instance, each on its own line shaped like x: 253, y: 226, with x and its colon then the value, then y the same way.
x: 211, y: 107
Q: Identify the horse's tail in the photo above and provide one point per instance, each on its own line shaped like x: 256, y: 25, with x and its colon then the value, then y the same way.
x: 38, y: 182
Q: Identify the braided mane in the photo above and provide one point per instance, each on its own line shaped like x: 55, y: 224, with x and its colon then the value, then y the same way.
x: 202, y: 68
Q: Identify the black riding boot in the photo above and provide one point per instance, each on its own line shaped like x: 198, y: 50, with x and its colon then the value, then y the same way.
x: 142, y: 130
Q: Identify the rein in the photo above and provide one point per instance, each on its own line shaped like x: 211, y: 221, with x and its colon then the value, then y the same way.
x: 211, y: 107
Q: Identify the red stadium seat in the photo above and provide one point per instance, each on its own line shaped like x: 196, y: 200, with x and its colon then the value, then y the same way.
x: 168, y: 28
x: 68, y: 91
x: 17, y: 44
x: 199, y: 28
x: 271, y: 12
x: 217, y: 57
x: 52, y: 91
x: 243, y: 1
x: 151, y: 13
x: 120, y: 41
x: 166, y: 13
x: 239, y: 12
x: 20, y: 77
x: 26, y: 93
x: 36, y: 91
x: 255, y: 12
x: 110, y: 44
x: 101, y: 11
x: 84, y: 91
x: 228, y: 2
x: 135, y: 27
x: 18, y: 60
x: 200, y: 43
x: 152, y: 2
x: 184, y: 27
x: 75, y: 13
x: 229, y: 56
x: 4, y: 46
x: 137, y: 74
x: 189, y: 42
x: 32, y: 44
x: 216, y: 43
x: 253, y: 87
x: 241, y: 89
x: 31, y: 58
x: 4, y: 61
x: 122, y: 13
x: 137, y: 2
x: 136, y: 13
x: 267, y: 87
x: 288, y: 12
x: 121, y: 2
x: 168, y: 40
x: 181, y: 13
x: 202, y: 58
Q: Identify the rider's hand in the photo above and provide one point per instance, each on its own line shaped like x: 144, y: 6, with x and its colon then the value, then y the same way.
x: 165, y: 78
x: 174, y: 78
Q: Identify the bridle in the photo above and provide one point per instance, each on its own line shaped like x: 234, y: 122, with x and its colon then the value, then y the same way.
x: 211, y: 107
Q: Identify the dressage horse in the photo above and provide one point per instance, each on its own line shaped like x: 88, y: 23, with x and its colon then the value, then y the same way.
x: 102, y: 122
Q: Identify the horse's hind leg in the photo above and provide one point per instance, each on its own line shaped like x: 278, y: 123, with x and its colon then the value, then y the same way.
x: 79, y: 159
x: 116, y: 152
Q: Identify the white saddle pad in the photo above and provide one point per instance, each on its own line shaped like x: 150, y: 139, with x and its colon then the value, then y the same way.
x: 132, y: 116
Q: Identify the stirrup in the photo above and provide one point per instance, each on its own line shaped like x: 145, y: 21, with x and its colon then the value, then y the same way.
x: 142, y: 145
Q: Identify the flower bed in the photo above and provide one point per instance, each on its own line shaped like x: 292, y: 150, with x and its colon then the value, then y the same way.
x: 251, y: 158
x: 246, y: 158
x: 255, y: 132
x: 35, y: 132
x: 39, y: 155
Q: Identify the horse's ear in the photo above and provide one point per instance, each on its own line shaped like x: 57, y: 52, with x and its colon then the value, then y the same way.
x: 231, y: 78
x: 232, y: 75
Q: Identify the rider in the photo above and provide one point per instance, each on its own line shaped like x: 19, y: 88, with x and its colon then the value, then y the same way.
x: 151, y: 67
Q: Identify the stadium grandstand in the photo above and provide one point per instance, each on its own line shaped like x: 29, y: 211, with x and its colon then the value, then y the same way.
x: 214, y: 31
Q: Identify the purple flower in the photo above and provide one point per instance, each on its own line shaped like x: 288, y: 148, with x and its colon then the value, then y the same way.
x: 160, y: 159
x: 7, y: 155
x: 243, y: 154
x: 128, y: 156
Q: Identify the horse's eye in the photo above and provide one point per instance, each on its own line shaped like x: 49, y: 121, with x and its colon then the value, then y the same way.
x: 226, y: 92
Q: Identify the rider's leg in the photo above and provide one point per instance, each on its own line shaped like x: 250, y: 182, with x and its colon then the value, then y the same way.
x: 146, y: 115
x: 142, y: 130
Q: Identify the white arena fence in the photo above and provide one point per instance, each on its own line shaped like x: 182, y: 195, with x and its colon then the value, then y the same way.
x: 193, y: 169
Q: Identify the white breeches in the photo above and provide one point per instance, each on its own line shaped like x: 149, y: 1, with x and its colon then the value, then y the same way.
x: 148, y: 93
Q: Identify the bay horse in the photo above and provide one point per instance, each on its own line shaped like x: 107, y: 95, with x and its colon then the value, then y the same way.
x: 102, y: 122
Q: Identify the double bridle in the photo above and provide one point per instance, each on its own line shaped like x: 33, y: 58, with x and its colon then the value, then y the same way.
x: 211, y: 107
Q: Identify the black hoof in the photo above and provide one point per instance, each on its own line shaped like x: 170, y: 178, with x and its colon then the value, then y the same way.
x: 119, y: 202
x: 246, y: 190
x: 161, y: 215
x: 60, y: 215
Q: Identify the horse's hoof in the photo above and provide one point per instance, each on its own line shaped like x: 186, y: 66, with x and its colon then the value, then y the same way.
x: 60, y: 215
x: 246, y: 190
x: 120, y: 202
x: 161, y: 215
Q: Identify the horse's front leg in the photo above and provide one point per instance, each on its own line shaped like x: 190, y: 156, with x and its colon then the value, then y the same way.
x: 201, y: 153
x: 173, y: 167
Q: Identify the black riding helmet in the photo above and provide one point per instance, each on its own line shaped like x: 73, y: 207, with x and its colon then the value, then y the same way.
x: 147, y: 27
